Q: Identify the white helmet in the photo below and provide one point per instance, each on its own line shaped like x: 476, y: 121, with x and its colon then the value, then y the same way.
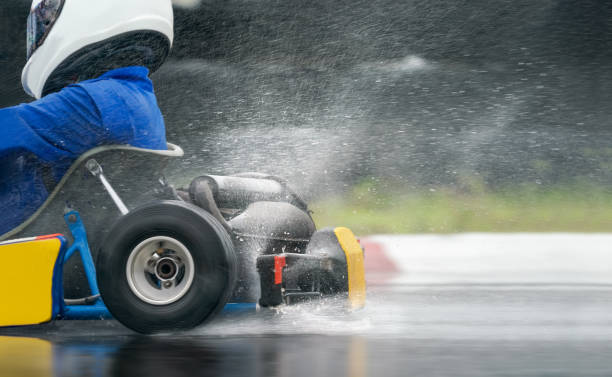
x: 76, y: 40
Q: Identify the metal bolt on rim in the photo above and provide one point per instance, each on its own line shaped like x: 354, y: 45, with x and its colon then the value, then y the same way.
x: 160, y: 270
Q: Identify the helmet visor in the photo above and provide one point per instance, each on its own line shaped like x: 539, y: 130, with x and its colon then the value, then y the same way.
x: 40, y: 22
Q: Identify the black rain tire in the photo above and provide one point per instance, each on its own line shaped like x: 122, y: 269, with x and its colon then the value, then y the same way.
x: 214, y: 261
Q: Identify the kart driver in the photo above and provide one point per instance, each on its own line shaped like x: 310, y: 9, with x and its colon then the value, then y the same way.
x: 88, y: 66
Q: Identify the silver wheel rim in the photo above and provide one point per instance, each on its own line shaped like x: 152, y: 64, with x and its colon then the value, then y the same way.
x: 160, y: 270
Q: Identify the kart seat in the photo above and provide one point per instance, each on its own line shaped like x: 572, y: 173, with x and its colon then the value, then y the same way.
x: 98, y: 153
x: 136, y: 174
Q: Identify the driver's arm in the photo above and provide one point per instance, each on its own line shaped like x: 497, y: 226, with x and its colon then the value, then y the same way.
x: 59, y: 126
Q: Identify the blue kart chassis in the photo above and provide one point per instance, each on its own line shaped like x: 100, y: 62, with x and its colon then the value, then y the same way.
x: 97, y: 309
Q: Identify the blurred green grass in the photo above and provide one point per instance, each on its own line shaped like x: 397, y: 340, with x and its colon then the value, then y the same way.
x: 370, y: 208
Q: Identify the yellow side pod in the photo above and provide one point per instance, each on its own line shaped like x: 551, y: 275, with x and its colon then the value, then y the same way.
x: 31, y: 290
x: 354, y: 261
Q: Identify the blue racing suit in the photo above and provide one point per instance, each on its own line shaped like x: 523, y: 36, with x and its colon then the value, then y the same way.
x: 39, y: 140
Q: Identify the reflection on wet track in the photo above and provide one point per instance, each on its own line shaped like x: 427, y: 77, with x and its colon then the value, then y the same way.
x: 405, y: 330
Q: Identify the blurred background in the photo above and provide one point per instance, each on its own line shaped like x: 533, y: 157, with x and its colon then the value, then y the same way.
x: 392, y: 116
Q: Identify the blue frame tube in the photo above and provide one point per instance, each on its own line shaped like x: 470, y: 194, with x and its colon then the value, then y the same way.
x: 80, y: 244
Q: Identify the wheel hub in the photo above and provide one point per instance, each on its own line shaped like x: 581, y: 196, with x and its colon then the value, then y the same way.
x: 160, y: 270
x: 166, y: 269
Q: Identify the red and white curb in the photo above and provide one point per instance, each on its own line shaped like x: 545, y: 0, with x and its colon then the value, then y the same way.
x: 489, y: 258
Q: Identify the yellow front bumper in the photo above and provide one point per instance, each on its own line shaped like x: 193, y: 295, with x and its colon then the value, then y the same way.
x: 355, y: 266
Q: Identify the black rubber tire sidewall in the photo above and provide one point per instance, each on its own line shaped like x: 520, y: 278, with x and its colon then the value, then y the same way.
x: 214, y: 262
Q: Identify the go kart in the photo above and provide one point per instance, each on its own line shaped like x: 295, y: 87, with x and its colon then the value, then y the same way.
x: 158, y: 258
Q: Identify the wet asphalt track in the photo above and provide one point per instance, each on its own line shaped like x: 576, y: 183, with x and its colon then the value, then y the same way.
x: 407, y: 329
x: 353, y: 89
